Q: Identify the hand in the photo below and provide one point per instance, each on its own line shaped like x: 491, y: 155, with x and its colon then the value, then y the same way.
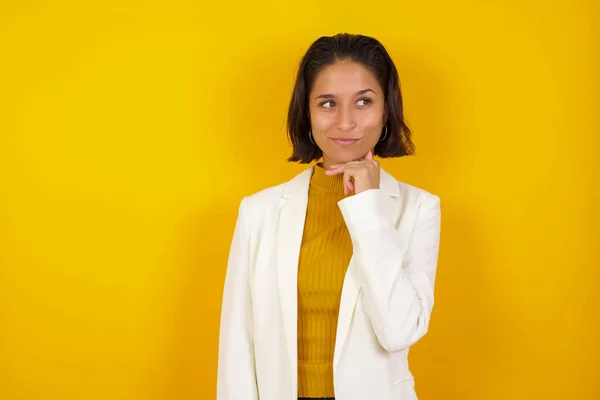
x: 358, y: 176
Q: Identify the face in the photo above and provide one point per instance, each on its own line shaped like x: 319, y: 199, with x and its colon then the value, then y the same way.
x: 347, y: 112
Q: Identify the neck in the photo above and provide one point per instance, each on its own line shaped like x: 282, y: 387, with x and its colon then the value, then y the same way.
x: 328, y: 161
x: 322, y: 183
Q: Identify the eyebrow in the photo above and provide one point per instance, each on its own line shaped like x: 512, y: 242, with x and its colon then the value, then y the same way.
x: 330, y: 96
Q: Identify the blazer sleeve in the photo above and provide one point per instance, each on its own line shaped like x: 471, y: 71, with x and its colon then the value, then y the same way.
x: 397, y: 273
x: 236, y: 377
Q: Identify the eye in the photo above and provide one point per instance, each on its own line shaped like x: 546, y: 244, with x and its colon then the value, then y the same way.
x: 365, y: 101
x: 327, y: 104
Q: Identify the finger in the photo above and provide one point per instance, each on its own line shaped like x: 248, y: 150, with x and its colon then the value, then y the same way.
x: 335, y: 171
x: 334, y: 166
x: 347, y: 186
x: 351, y: 186
x: 369, y: 155
x: 348, y: 183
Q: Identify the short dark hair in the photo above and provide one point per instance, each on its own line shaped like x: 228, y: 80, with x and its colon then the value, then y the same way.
x: 372, y: 55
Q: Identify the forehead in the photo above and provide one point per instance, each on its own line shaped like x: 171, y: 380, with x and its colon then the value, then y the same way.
x: 344, y: 77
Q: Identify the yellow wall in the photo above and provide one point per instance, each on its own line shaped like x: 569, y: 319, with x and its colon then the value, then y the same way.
x: 130, y: 130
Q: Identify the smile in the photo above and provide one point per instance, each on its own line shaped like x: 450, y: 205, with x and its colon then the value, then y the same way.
x: 344, y: 141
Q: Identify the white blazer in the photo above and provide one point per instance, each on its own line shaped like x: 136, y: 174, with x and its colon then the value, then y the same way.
x: 386, y: 301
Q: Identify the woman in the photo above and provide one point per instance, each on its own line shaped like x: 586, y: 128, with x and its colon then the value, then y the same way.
x: 330, y: 276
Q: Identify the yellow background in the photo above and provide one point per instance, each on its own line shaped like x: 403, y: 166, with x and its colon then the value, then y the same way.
x: 130, y: 130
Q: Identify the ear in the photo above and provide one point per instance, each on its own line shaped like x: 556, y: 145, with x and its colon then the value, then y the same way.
x: 386, y: 113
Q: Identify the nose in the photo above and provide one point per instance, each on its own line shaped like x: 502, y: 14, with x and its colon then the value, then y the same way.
x: 346, y: 120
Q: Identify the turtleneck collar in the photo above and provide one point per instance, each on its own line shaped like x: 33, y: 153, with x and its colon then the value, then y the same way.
x: 325, y: 183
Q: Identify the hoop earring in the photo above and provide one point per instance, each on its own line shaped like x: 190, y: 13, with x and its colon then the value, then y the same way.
x: 385, y: 133
x: 310, y: 137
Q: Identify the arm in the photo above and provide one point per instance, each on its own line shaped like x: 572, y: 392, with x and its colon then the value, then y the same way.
x: 397, y: 286
x: 236, y: 378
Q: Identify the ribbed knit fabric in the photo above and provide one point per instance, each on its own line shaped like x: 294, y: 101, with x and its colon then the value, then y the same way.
x: 324, y: 256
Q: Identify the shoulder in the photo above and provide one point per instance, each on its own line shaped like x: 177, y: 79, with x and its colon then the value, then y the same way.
x: 268, y: 199
x: 416, y: 199
x: 264, y: 198
x: 420, y: 194
x: 406, y: 191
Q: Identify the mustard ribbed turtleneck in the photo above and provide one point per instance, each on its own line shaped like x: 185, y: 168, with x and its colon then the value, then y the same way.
x: 324, y: 256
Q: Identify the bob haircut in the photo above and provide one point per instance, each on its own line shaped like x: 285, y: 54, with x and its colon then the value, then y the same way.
x: 368, y: 52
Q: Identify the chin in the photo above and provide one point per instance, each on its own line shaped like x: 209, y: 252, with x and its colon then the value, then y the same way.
x: 347, y: 157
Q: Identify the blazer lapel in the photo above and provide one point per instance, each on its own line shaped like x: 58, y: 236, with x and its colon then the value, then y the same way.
x: 351, y: 289
x: 290, y: 228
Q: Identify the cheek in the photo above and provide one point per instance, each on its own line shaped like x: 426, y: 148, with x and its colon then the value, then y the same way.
x: 322, y: 122
x: 371, y: 122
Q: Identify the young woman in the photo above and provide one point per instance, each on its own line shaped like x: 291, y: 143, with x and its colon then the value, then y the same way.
x: 330, y: 277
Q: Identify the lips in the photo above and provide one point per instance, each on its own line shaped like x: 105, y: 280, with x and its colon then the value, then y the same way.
x: 344, y: 141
